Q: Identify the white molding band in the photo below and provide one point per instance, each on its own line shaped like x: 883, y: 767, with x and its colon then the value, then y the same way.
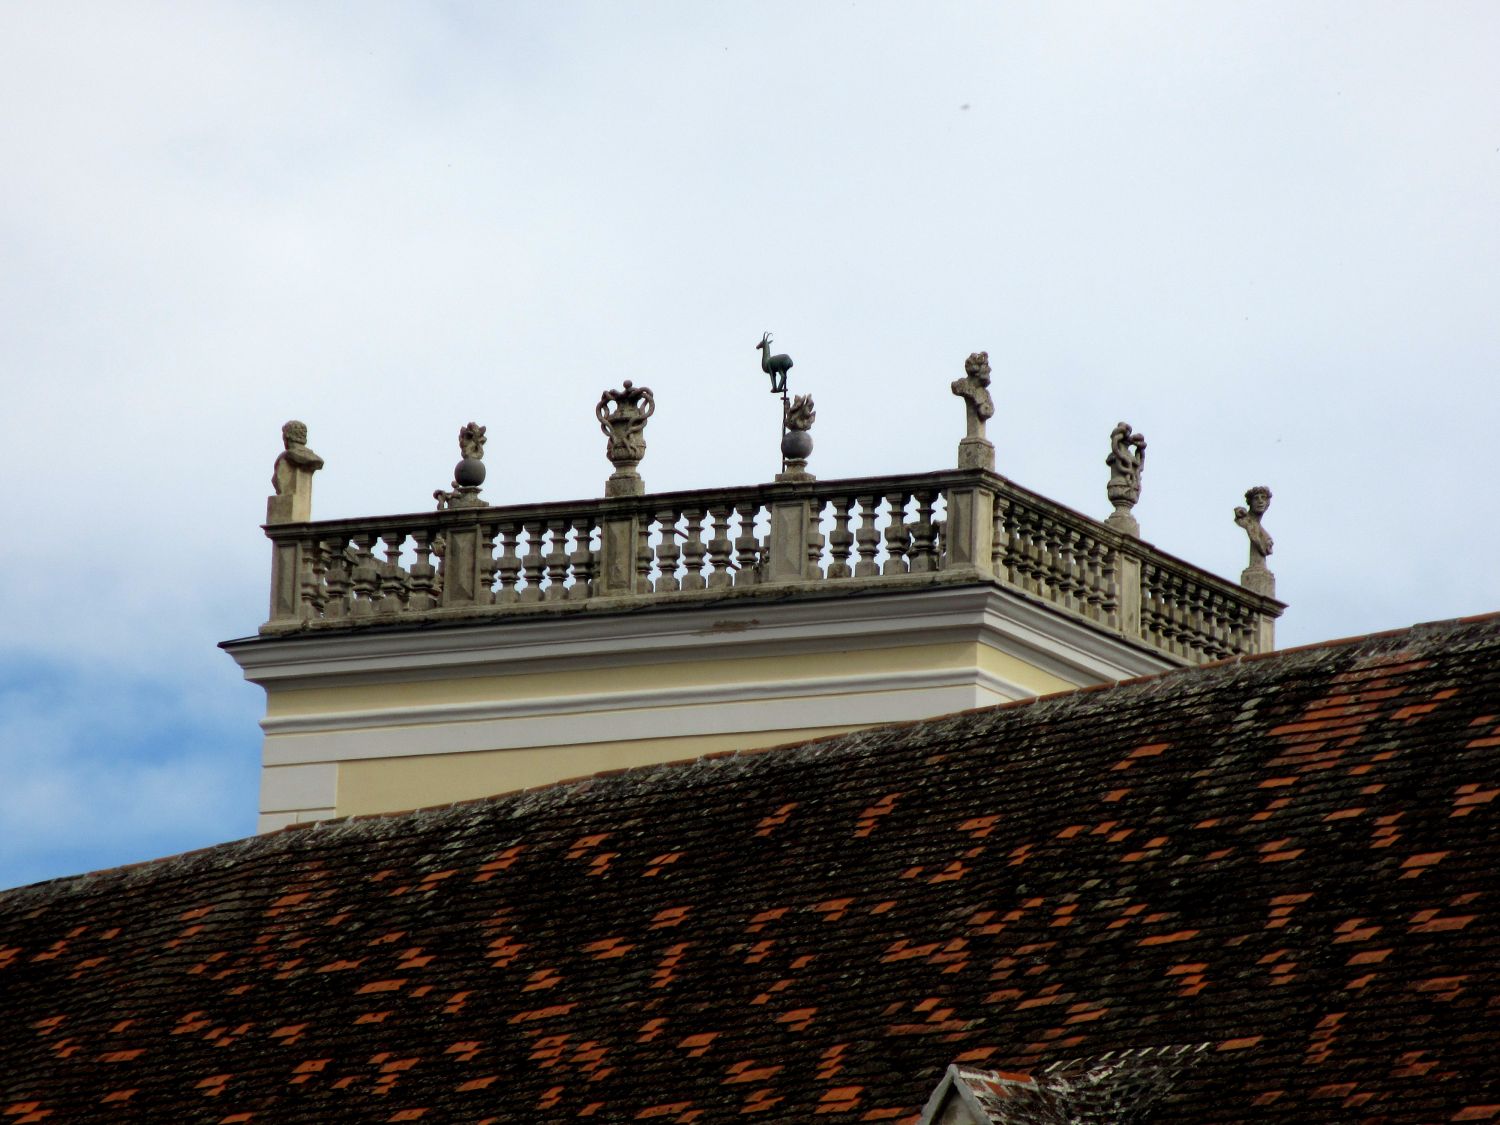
x: 1070, y: 648
x: 754, y: 708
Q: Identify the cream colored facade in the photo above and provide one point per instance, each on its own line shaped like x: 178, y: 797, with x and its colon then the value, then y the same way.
x: 380, y: 720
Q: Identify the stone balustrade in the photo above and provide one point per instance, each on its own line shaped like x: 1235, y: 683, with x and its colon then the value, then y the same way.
x: 791, y: 538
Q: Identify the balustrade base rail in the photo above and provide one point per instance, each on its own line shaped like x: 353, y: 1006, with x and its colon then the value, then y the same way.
x: 794, y: 539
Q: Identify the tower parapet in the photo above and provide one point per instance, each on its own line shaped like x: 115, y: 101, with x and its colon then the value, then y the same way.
x: 419, y: 658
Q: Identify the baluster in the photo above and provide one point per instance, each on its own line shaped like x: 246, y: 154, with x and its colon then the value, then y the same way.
x: 693, y: 550
x: 667, y: 552
x: 422, y: 583
x: 747, y: 546
x: 363, y: 579
x: 1202, y: 623
x: 897, y: 534
x: 1000, y: 547
x: 1093, y: 590
x: 336, y: 599
x: 1110, y: 580
x: 867, y: 538
x: 314, y: 574
x: 841, y: 539
x: 488, y: 566
x: 1224, y: 624
x: 1191, y: 619
x: 1015, y: 546
x: 585, y: 561
x: 390, y: 579
x: 1057, y: 574
x: 1072, y: 570
x: 1161, y: 624
x: 1028, y: 560
x: 1152, y: 616
x: 1056, y: 570
x: 644, y: 556
x: 923, y: 556
x: 556, y: 560
x: 720, y: 548
x: 1041, y: 555
x: 531, y: 562
x: 508, y: 563
x: 815, y: 541
x: 1172, y: 615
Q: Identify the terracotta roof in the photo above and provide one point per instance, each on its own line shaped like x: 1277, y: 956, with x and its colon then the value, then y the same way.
x: 1291, y: 859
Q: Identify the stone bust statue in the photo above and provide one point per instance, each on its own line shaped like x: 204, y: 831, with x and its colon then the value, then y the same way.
x: 1257, y: 576
x: 291, y: 477
x: 1258, y: 500
x: 294, y: 457
x: 975, y: 450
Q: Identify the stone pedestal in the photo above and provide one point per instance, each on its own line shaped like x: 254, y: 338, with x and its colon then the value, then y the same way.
x: 1124, y: 522
x: 976, y: 453
x: 625, y: 481
x: 1258, y: 580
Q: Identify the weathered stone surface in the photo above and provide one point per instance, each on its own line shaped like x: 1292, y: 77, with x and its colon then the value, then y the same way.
x: 622, y: 416
x: 975, y: 451
x: 1126, y: 460
x: 469, y: 473
x: 797, y: 417
x: 291, y: 477
x: 1257, y: 576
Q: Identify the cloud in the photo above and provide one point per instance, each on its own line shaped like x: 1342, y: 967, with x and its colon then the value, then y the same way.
x: 1262, y: 234
x: 107, y: 769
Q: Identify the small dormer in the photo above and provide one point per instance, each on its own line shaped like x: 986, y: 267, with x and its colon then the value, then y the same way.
x: 1119, y: 1087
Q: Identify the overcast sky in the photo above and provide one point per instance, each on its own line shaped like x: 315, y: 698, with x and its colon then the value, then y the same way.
x: 1266, y: 235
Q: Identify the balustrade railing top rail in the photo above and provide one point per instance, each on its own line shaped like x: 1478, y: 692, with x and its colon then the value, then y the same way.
x: 966, y: 525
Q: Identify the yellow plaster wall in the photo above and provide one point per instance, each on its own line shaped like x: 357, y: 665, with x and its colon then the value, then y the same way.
x: 1018, y: 672
x: 383, y: 784
x: 391, y: 783
x: 656, y: 676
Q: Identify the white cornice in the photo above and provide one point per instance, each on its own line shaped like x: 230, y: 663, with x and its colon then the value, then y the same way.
x: 1069, y: 648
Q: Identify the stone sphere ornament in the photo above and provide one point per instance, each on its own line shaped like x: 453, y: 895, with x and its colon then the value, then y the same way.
x: 469, y: 473
x: 796, y: 445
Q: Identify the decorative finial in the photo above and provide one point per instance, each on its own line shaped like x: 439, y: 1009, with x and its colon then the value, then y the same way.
x: 1126, y: 460
x: 976, y: 451
x: 468, y: 474
x: 776, y: 366
x: 797, y: 418
x: 622, y: 416
x: 291, y: 477
x: 1257, y: 577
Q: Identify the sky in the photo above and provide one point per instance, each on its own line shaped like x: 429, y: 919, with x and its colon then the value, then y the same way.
x: 1267, y: 235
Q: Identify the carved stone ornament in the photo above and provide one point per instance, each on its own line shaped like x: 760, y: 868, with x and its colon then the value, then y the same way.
x: 622, y: 416
x: 1257, y: 577
x: 799, y: 413
x: 1126, y: 460
x: 469, y: 473
x: 797, y: 417
x: 975, y: 450
x: 291, y: 477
